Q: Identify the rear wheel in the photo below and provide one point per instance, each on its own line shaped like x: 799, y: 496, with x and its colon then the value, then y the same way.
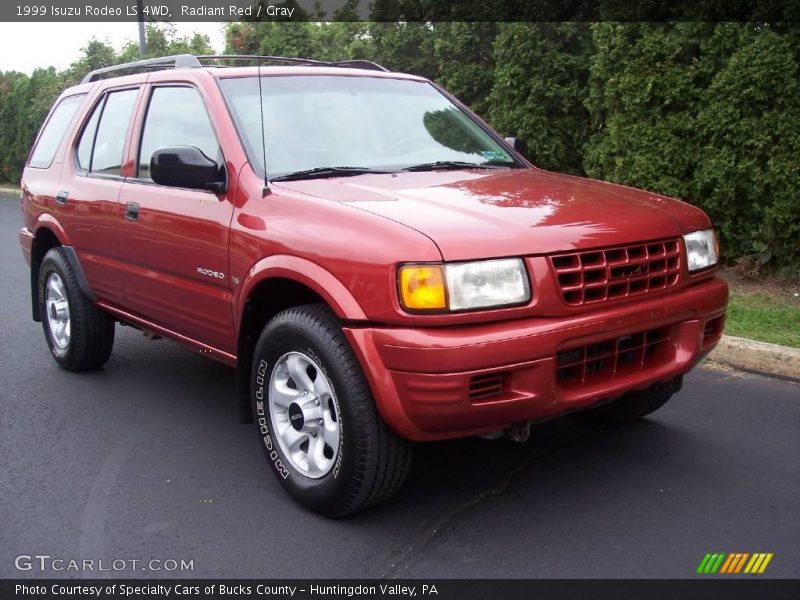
x: 80, y: 335
x: 634, y: 405
x: 316, y: 418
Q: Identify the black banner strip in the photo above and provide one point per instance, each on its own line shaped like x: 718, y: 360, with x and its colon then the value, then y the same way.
x: 432, y: 11
x: 729, y: 588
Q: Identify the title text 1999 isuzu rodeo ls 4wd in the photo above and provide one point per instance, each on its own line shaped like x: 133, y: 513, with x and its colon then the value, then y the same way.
x: 379, y: 265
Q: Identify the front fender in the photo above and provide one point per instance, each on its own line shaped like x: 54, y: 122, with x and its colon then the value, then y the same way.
x: 307, y: 273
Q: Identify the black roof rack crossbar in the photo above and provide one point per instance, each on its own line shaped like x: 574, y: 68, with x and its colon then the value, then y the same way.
x: 310, y: 62
x: 177, y: 61
x: 189, y: 61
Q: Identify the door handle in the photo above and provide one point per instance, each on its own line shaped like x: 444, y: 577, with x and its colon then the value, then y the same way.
x: 132, y: 211
x: 61, y: 198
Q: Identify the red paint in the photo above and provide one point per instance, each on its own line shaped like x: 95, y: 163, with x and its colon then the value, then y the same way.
x: 421, y: 375
x: 345, y: 238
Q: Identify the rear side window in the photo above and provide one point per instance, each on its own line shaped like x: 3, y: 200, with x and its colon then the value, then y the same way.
x: 53, y: 132
x: 87, y: 137
x: 103, y: 139
x: 176, y: 116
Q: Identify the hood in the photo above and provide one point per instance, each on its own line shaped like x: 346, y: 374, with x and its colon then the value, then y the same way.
x: 484, y: 214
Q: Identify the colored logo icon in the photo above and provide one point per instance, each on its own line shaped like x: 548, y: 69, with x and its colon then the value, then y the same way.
x: 734, y: 562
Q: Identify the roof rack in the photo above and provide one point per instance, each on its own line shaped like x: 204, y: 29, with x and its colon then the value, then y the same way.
x: 177, y: 61
x: 352, y: 64
x: 190, y: 61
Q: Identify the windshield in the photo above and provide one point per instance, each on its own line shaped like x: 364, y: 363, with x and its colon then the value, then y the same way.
x: 370, y: 123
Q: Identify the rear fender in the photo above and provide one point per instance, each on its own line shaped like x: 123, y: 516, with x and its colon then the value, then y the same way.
x: 47, y: 222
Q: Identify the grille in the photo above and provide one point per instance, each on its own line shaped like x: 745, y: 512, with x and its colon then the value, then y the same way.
x: 598, y: 275
x: 482, y: 387
x: 601, y: 361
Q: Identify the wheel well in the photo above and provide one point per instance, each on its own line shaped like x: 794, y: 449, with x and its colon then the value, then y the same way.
x: 266, y: 300
x: 42, y: 243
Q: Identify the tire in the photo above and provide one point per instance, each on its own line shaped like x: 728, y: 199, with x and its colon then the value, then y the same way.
x: 84, y: 340
x: 364, y: 463
x: 634, y: 405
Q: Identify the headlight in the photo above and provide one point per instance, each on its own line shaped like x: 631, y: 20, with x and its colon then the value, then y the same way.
x: 701, y: 249
x: 464, y: 286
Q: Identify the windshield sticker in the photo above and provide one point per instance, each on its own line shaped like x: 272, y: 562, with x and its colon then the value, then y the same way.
x: 494, y: 155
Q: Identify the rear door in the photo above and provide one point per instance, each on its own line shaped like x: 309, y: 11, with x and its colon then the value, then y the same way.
x: 175, y: 240
x: 89, y: 190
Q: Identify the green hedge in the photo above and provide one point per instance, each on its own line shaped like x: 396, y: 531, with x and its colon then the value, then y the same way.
x: 707, y: 112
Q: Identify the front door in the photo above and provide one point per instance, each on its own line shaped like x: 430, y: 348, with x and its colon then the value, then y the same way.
x: 175, y: 240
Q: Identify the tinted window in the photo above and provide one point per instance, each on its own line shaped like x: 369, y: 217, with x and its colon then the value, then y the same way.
x: 87, y: 138
x: 176, y: 116
x: 110, y: 139
x: 53, y: 131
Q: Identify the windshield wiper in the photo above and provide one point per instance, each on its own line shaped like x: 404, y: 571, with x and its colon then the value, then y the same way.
x: 320, y: 172
x: 456, y: 164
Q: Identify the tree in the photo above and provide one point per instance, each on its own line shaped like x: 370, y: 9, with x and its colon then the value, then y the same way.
x: 14, y: 94
x: 96, y: 55
x: 289, y: 39
x: 464, y: 56
x: 540, y: 89
x: 707, y: 112
x: 241, y: 38
x: 344, y: 40
x: 164, y: 41
x: 406, y: 47
x: 644, y: 91
x: 747, y: 173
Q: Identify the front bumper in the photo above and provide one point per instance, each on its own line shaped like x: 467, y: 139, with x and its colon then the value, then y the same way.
x: 447, y: 382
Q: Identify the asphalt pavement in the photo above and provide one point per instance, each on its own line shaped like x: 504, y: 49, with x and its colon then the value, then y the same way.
x: 145, y: 459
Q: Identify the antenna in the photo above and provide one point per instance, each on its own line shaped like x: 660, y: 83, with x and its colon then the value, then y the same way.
x: 266, y: 190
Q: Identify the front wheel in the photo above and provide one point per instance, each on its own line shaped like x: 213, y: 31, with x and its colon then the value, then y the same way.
x: 316, y: 418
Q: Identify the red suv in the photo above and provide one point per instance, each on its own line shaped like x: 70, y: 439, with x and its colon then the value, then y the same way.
x: 378, y: 264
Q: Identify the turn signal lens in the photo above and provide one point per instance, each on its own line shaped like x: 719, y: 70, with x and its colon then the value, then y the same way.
x: 422, y: 287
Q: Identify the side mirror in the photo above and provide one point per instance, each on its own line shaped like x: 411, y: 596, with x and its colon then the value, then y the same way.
x: 186, y: 167
x: 518, y: 144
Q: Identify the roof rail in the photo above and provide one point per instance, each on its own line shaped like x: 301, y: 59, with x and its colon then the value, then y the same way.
x: 352, y: 64
x: 190, y: 61
x: 177, y: 61
x: 360, y: 64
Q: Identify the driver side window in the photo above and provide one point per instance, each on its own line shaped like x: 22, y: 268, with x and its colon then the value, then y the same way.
x: 176, y: 116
